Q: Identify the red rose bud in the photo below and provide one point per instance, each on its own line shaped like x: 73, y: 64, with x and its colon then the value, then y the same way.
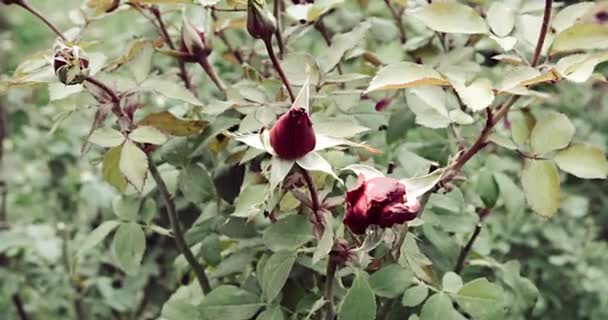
x: 261, y: 24
x: 383, y: 104
x: 71, y: 65
x: 378, y: 201
x: 193, y: 40
x: 293, y: 136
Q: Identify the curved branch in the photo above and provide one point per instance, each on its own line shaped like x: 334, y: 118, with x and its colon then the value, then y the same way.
x: 543, y: 32
x: 277, y: 66
x: 25, y: 5
x: 178, y: 233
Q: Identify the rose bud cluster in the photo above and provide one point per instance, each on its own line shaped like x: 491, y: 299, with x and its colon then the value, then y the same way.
x: 71, y: 64
x: 378, y: 201
x: 292, y: 136
x: 193, y: 40
x: 261, y: 24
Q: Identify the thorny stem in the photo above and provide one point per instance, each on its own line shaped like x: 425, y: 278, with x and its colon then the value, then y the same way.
x: 328, y: 289
x: 277, y: 66
x: 178, y: 233
x: 398, y: 20
x: 462, y: 257
x: 314, y: 197
x: 543, y: 32
x: 183, y: 72
x: 491, y: 120
x: 18, y: 303
x: 277, y: 15
x: 25, y: 5
x: 204, y: 62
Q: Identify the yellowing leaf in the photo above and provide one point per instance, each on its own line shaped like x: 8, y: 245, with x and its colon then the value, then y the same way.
x: 133, y: 164
x: 111, y: 171
x: 584, y: 161
x: 451, y: 17
x: 582, y: 36
x: 405, y: 75
x: 107, y: 137
x: 579, y: 67
x: 540, y: 181
x: 101, y: 6
x: 169, y: 124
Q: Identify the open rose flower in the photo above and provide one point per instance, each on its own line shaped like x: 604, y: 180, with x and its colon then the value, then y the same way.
x: 383, y: 201
x: 292, y: 140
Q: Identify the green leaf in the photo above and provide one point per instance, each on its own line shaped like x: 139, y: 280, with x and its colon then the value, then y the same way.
x: 569, y: 15
x: 438, y: 306
x: 579, y: 67
x: 540, y: 181
x: 340, y: 44
x: 451, y: 17
x: 501, y: 18
x: 405, y: 75
x: 583, y: 160
x: 418, y: 186
x: 412, y: 257
x: 429, y: 106
x: 229, y: 303
x: 359, y: 302
x: 196, y: 184
x: 415, y: 295
x: 142, y: 62
x: 582, y: 36
x: 487, y: 189
x: 183, y: 303
x: 111, y: 169
x: 128, y: 247
x: 126, y: 207
x: 249, y: 201
x: 511, y: 194
x: 390, y: 281
x: 133, y: 164
x: 522, y: 124
x: 167, y: 123
x: 313, y: 161
x: 288, y: 233
x: 451, y: 282
x: 273, y: 313
x: 480, y: 298
x: 553, y: 130
x: 171, y: 89
x: 477, y: 95
x: 148, y: 134
x: 324, y: 245
x: 276, y: 271
x: 97, y: 235
x: 107, y: 137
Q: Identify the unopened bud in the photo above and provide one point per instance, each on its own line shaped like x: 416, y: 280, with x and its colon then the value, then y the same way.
x: 261, y: 24
x: 193, y: 40
x: 71, y: 64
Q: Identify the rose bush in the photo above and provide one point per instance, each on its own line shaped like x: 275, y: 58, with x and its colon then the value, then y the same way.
x: 210, y: 159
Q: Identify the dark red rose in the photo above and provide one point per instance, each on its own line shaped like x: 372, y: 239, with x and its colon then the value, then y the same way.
x: 378, y: 201
x: 293, y: 136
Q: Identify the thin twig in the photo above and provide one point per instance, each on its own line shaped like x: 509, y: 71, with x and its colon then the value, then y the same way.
x: 277, y: 15
x: 210, y: 70
x: 222, y: 35
x: 25, y: 5
x: 314, y: 197
x: 18, y: 303
x: 228, y: 9
x: 277, y: 66
x: 543, y: 32
x: 328, y: 289
x: 398, y: 21
x: 178, y: 233
x: 462, y: 257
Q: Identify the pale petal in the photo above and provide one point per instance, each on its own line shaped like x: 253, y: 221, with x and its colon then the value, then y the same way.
x: 314, y: 162
x: 417, y: 186
x: 279, y: 170
x: 367, y: 171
